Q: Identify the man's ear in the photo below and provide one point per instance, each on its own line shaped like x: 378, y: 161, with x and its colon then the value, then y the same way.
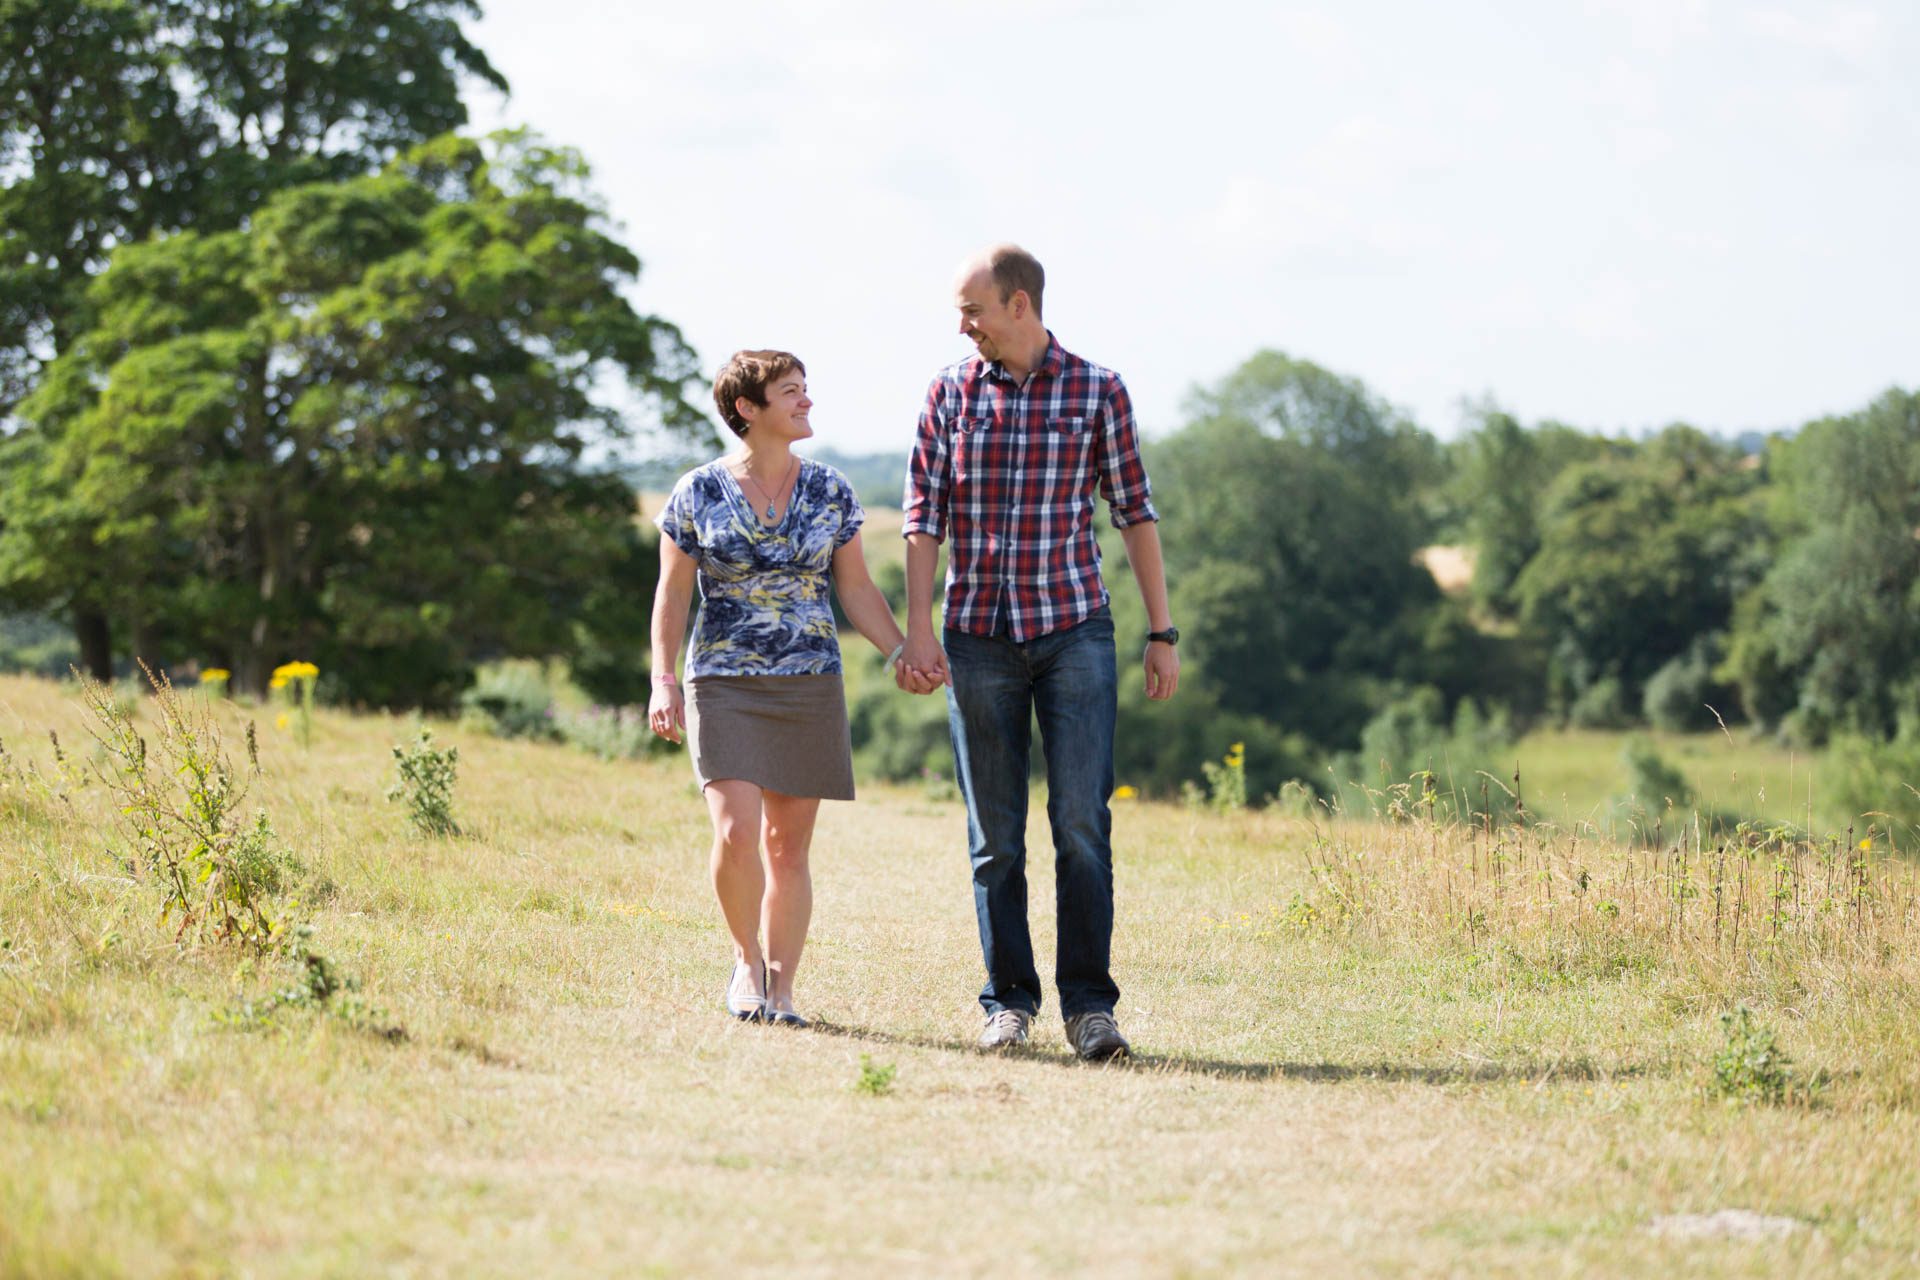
x: 1021, y: 303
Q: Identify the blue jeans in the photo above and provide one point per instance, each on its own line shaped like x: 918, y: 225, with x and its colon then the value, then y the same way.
x: 1068, y: 679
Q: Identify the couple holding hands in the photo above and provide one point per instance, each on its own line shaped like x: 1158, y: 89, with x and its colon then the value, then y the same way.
x: 1012, y: 444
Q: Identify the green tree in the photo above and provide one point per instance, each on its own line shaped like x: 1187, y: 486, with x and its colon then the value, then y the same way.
x: 1294, y: 506
x: 121, y: 121
x: 1501, y: 472
x: 355, y: 431
x: 1832, y: 636
x: 1640, y: 553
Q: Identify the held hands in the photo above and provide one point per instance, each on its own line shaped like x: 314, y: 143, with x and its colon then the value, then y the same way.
x: 667, y: 712
x: 1162, y: 662
x: 922, y: 666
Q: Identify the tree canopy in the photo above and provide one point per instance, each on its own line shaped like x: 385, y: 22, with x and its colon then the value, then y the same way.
x: 355, y: 430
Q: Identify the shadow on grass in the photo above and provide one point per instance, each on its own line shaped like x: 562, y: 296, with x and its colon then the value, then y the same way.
x: 1533, y: 1072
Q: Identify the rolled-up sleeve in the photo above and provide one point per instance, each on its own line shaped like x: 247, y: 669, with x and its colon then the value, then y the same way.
x: 925, y: 500
x: 1123, y: 476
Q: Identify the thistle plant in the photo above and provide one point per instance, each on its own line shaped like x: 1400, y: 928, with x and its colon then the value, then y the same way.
x: 425, y: 781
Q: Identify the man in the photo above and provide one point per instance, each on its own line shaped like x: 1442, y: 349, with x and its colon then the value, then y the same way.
x: 1011, y: 446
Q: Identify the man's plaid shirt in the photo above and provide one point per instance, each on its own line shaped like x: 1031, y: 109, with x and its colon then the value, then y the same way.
x: 1011, y: 470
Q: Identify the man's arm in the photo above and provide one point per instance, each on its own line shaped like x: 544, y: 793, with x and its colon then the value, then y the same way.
x: 925, y: 526
x: 1162, y: 660
x: 923, y: 655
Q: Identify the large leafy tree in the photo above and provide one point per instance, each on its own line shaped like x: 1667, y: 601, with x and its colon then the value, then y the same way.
x: 122, y: 120
x: 1640, y: 553
x: 1502, y: 471
x: 356, y: 430
x: 1832, y: 636
x: 1295, y: 504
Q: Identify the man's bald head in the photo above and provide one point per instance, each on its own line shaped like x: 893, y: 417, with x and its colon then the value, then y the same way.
x: 1012, y: 269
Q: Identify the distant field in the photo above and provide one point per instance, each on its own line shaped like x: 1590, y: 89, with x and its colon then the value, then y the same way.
x: 1570, y: 774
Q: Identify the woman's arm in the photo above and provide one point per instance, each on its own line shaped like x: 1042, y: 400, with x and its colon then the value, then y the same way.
x: 865, y: 607
x: 666, y: 709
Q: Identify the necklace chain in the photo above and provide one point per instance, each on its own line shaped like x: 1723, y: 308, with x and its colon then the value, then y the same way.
x: 746, y: 473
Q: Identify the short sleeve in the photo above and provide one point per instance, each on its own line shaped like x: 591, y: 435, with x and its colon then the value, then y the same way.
x: 852, y: 514
x: 676, y: 519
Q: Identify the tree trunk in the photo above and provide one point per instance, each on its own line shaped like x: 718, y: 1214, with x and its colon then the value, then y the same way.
x: 95, y: 638
x: 140, y: 644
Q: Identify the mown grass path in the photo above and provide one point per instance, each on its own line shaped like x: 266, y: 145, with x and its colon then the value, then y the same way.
x: 571, y: 1101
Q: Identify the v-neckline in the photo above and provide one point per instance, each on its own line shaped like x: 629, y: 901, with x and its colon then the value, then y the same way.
x: 753, y: 514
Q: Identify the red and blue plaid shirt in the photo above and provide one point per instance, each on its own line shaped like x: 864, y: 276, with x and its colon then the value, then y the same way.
x: 1011, y: 470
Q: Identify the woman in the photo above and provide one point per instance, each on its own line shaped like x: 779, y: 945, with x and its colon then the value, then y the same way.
x: 762, y: 530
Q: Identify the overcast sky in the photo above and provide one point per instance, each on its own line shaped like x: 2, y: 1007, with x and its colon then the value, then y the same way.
x: 1617, y: 214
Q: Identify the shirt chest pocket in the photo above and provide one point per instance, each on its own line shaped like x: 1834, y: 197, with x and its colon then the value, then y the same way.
x: 974, y: 441
x: 1069, y: 442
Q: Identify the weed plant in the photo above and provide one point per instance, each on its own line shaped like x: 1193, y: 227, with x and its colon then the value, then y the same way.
x: 1721, y: 910
x: 179, y: 805
x: 425, y: 778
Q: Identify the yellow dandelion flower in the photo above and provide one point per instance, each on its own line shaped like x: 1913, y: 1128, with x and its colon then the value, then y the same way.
x: 280, y: 721
x: 213, y: 675
x: 278, y: 682
x: 1867, y: 843
x: 1125, y: 793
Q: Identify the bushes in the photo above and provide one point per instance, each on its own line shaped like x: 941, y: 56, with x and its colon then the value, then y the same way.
x: 1862, y: 775
x: 1456, y: 769
x: 1680, y: 697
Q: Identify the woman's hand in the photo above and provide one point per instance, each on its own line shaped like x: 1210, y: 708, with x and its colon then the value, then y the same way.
x: 667, y: 712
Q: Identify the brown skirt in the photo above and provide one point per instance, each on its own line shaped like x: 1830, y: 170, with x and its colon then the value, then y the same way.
x: 782, y: 733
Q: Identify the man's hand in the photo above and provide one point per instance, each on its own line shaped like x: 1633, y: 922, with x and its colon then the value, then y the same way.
x: 1162, y: 662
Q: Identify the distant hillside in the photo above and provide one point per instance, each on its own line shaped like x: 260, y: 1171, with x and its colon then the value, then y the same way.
x: 877, y: 477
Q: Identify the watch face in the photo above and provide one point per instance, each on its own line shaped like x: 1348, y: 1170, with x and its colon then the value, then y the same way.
x: 1171, y: 635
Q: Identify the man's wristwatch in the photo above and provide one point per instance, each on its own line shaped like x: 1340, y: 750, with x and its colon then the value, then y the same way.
x: 1170, y: 636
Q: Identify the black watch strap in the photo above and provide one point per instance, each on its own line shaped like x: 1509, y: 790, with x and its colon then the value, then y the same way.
x: 1170, y: 636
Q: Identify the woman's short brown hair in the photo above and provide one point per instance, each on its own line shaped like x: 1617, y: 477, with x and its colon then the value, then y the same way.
x: 746, y: 375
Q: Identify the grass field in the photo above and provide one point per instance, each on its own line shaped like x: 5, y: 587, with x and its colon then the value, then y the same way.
x: 1362, y: 1050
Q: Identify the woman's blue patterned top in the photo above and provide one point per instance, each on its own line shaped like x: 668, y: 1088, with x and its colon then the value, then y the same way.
x: 763, y: 589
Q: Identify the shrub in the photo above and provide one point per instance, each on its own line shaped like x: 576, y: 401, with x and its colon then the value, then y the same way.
x: 1601, y: 705
x: 611, y: 733
x: 511, y: 700
x: 1410, y: 756
x: 1654, y: 788
x: 1750, y: 1066
x: 1679, y: 695
x: 1862, y: 775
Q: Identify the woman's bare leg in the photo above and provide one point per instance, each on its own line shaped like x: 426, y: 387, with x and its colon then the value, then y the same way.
x: 738, y: 879
x: 787, y: 829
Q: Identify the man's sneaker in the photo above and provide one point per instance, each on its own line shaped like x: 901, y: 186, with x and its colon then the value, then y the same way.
x: 1095, y: 1037
x: 1005, y: 1028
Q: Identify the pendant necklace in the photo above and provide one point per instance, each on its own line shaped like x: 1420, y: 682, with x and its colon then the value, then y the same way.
x: 747, y: 473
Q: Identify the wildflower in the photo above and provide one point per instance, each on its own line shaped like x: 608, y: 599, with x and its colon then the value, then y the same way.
x: 1866, y: 844
x: 1125, y: 793
x: 215, y: 675
x: 295, y: 671
x: 280, y: 721
x: 278, y: 682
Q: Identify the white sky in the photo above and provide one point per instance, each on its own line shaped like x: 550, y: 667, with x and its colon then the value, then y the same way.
x: 1619, y: 213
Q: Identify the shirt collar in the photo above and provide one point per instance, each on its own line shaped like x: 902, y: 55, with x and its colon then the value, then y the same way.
x: 1050, y: 364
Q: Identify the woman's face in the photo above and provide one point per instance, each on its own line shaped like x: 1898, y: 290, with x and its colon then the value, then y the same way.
x: 784, y: 416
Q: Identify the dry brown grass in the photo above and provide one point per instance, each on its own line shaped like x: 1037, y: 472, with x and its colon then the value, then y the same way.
x: 1381, y: 1091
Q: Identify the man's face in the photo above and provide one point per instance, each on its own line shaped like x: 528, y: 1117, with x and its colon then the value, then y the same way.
x: 984, y: 319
